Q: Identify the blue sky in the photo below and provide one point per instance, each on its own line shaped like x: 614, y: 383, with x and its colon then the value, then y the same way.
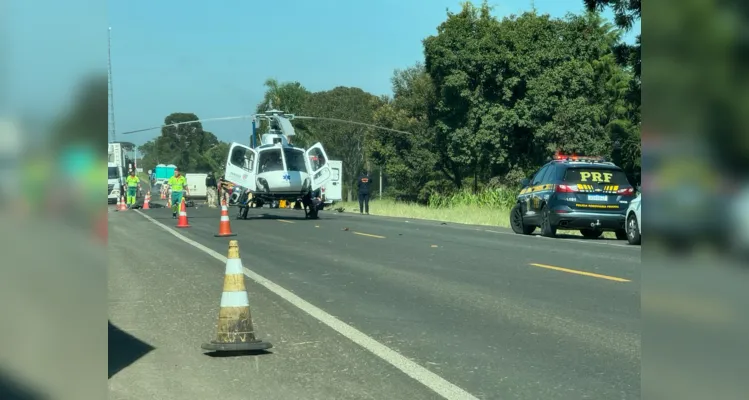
x: 211, y: 58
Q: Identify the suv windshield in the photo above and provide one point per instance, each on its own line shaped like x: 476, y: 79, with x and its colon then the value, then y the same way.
x: 592, y: 175
x: 112, y: 173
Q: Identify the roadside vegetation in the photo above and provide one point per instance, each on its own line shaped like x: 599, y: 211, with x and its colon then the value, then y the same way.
x: 488, y: 208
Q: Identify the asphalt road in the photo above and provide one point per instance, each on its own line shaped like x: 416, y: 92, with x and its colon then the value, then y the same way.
x: 464, y: 302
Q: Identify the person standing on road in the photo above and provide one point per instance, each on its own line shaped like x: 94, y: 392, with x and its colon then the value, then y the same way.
x: 226, y: 188
x: 177, y: 184
x: 363, y: 186
x: 133, y: 186
x: 210, y: 187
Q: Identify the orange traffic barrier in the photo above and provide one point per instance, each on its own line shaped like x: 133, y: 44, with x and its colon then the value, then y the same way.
x: 224, y: 226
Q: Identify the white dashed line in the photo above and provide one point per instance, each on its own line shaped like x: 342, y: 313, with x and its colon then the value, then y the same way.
x: 407, y: 366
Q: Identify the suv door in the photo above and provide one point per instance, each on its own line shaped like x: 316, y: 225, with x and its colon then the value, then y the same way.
x: 526, y: 195
x: 541, y: 188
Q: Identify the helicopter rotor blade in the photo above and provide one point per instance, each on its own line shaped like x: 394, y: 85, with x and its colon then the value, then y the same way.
x: 252, y: 116
x: 255, y: 116
x: 353, y: 123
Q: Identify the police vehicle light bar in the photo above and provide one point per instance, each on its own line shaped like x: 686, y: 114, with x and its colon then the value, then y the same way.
x: 575, y: 157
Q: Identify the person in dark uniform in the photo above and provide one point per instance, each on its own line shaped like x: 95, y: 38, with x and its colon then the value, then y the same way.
x: 312, y: 204
x: 363, y: 186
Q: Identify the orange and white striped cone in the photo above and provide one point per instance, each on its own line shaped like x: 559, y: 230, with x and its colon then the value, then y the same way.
x: 163, y: 194
x: 123, y: 204
x: 224, y: 226
x: 182, y: 221
x: 235, y: 331
x: 147, y: 201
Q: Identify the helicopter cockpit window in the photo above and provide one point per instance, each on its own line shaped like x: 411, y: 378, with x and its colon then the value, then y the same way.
x: 270, y: 160
x: 242, y: 158
x: 295, y: 160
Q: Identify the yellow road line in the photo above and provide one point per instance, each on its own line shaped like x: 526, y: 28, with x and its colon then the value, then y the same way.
x: 573, y: 271
x: 369, y: 235
x: 283, y: 220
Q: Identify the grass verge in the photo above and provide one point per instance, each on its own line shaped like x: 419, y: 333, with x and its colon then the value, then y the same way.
x: 459, y: 214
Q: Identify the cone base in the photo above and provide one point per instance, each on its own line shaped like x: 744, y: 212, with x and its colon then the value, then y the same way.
x: 182, y: 226
x: 247, y: 346
x: 224, y: 234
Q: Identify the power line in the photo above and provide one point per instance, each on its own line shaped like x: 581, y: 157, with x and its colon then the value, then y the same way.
x: 253, y: 116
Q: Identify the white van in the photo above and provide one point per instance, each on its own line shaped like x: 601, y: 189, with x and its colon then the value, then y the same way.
x: 196, y: 185
x: 332, y: 191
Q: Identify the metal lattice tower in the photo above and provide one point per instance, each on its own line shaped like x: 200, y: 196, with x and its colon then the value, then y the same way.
x: 110, y: 90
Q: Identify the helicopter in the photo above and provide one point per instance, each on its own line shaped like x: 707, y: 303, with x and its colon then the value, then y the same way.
x: 275, y: 170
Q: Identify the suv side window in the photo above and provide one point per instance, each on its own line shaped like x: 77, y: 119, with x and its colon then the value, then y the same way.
x: 549, y: 175
x: 538, y: 178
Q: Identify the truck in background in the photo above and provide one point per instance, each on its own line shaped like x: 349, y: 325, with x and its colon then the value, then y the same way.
x: 332, y: 191
x: 117, y: 166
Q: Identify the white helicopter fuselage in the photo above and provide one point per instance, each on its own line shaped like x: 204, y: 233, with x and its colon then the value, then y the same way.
x: 277, y: 170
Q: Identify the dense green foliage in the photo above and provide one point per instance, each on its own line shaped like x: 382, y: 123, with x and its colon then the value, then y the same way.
x: 492, y: 100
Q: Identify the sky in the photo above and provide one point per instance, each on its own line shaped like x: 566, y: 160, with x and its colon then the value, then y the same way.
x: 211, y: 58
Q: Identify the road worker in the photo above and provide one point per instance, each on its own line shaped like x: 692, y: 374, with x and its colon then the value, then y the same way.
x: 178, y: 185
x: 133, y: 186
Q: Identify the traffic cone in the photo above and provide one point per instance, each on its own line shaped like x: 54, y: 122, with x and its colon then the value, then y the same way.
x: 146, y: 202
x: 224, y: 227
x: 235, y: 331
x: 122, y: 204
x: 163, y: 194
x: 182, y: 221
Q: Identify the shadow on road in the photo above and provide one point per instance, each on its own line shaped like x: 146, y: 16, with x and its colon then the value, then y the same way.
x: 124, y: 349
x: 230, y: 354
x: 12, y: 388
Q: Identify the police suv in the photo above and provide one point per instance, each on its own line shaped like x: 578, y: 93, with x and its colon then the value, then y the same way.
x: 571, y: 193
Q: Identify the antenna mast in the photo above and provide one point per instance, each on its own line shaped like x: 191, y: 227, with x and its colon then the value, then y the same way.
x: 112, y: 133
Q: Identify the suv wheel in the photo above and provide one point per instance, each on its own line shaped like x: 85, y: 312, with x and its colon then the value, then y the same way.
x: 591, y: 233
x: 633, y: 230
x: 516, y: 222
x: 547, y: 229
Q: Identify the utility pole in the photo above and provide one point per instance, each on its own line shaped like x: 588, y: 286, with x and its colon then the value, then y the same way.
x: 112, y: 132
x: 380, y: 182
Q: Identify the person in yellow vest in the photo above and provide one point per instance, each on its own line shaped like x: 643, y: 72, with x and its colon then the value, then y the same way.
x: 177, y: 184
x: 133, y: 186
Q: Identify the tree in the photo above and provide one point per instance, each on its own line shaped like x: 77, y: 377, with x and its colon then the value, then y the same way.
x: 187, y: 145
x: 409, y: 160
x: 511, y: 92
x: 342, y: 141
x: 288, y: 97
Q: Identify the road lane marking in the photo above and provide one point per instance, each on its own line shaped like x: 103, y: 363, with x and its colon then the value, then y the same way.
x: 414, y: 370
x: 283, y: 220
x: 369, y: 235
x: 574, y: 271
